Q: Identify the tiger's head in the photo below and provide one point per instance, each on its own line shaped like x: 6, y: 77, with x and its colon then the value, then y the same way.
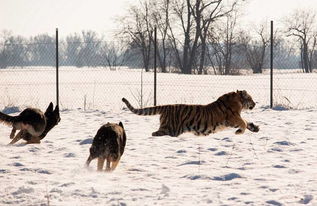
x: 246, y: 100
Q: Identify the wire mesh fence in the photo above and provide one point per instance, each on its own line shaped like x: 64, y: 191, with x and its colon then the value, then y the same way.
x: 96, y: 75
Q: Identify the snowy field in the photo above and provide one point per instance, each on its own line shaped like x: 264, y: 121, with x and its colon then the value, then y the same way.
x: 101, y: 88
x: 277, y: 166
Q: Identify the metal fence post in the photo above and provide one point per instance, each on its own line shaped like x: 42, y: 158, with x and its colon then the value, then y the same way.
x: 57, y: 65
x: 155, y: 47
x: 271, y: 65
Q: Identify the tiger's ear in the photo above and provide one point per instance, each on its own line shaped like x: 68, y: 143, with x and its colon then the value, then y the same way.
x: 243, y: 93
x: 121, y: 125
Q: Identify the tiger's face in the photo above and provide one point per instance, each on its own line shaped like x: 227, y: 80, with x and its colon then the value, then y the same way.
x: 246, y: 100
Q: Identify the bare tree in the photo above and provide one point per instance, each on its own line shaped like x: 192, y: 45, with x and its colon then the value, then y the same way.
x: 72, y: 47
x: 136, y: 26
x: 160, y: 16
x: 90, y: 46
x: 196, y: 18
x: 302, y: 25
x: 286, y: 54
x: 41, y: 50
x: 113, y: 54
x: 15, y: 51
x: 312, y: 52
x: 182, y: 12
x: 3, y: 53
x: 223, y: 41
x: 255, y: 46
x: 206, y: 14
x: 182, y: 26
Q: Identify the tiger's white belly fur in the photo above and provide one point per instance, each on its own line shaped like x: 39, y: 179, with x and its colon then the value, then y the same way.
x: 209, y: 130
x: 220, y: 128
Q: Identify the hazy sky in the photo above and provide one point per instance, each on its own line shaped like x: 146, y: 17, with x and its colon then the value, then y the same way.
x: 31, y: 17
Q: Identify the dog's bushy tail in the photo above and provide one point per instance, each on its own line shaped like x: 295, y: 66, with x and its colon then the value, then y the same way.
x: 7, y: 119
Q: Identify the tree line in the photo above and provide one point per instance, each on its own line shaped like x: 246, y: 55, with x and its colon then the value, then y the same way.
x: 198, y: 35
x: 85, y: 49
x: 193, y: 37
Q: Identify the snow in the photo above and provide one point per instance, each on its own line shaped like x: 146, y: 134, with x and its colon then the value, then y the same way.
x: 277, y: 166
x: 101, y: 88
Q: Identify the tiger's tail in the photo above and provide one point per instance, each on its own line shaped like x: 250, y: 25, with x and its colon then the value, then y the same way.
x: 7, y: 119
x: 145, y: 111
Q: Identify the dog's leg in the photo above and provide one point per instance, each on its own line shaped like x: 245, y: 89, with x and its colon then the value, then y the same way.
x: 17, y: 137
x: 114, y: 164
x: 12, y: 133
x: 88, y: 160
x: 108, y: 169
x: 100, y: 163
x: 34, y: 140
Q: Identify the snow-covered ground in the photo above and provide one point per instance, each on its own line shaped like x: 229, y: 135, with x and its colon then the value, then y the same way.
x: 100, y: 88
x: 277, y: 166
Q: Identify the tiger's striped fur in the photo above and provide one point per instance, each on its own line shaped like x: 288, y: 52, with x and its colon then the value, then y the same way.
x: 202, y: 119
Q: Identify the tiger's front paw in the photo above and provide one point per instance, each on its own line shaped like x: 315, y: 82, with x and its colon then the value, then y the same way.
x: 253, y: 128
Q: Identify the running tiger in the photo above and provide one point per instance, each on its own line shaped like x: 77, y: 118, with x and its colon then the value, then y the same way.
x: 202, y: 119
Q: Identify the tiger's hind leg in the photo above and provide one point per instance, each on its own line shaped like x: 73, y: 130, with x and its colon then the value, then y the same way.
x: 161, y: 132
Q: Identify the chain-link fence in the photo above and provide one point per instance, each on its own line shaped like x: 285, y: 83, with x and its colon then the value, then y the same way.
x: 96, y: 75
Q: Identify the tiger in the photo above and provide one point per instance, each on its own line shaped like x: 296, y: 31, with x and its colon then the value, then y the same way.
x: 202, y: 120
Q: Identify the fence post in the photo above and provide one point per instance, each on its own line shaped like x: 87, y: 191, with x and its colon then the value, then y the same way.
x: 271, y: 66
x: 57, y: 65
x: 155, y: 47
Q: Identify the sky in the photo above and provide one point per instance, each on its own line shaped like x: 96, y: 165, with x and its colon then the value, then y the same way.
x: 32, y: 17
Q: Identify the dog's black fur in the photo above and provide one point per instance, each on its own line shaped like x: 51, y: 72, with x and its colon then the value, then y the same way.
x: 108, y: 144
x: 32, y: 123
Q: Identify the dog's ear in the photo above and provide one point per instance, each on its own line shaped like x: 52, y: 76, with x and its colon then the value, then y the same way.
x: 56, y: 109
x: 50, y: 107
x: 121, y: 125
